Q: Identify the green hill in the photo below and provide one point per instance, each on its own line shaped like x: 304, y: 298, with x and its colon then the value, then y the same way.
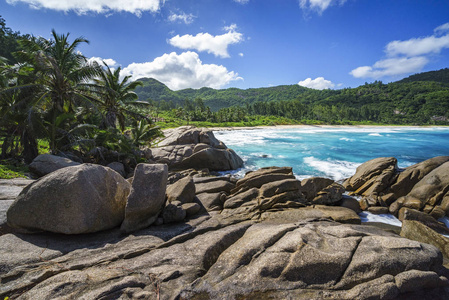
x: 436, y: 76
x: 419, y: 99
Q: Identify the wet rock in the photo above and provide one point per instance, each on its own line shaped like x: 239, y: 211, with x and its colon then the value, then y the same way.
x: 73, y: 200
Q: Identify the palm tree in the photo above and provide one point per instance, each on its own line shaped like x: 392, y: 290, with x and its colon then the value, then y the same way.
x: 115, y: 95
x: 63, y: 75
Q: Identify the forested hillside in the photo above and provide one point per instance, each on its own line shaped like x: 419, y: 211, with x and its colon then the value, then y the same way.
x: 419, y: 99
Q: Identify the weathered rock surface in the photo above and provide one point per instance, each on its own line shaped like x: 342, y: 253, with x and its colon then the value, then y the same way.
x: 73, y: 200
x: 429, y: 194
x: 212, y: 201
x: 365, y: 179
x: 413, y: 174
x: 311, y: 186
x: 147, y: 196
x: 417, y: 231
x: 190, y: 147
x: 46, y: 163
x: 423, y: 186
x: 330, y: 195
x: 429, y: 221
x: 252, y: 250
x: 182, y: 190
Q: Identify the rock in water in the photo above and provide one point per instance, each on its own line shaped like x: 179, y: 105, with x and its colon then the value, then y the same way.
x: 73, y: 200
x: 46, y: 163
x: 147, y: 196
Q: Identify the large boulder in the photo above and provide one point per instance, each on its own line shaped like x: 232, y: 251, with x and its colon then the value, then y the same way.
x: 46, y: 163
x: 413, y: 174
x: 147, y: 196
x: 430, y: 193
x: 73, y: 200
x: 372, y: 176
x: 190, y: 147
x: 190, y: 135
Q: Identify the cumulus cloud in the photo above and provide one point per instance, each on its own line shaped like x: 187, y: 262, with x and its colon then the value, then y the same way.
x: 318, y: 83
x: 217, y: 45
x: 241, y: 1
x: 405, y: 57
x: 319, y: 5
x: 182, y: 17
x: 391, y: 67
x: 98, y: 6
x: 182, y: 71
x: 418, y: 46
x: 99, y: 60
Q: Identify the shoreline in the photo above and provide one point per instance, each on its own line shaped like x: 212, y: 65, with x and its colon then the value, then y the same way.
x: 321, y: 126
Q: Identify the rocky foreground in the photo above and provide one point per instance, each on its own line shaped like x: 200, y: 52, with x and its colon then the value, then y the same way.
x: 91, y: 234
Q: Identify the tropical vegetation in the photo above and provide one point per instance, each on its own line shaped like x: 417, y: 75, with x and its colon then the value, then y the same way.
x: 51, y: 94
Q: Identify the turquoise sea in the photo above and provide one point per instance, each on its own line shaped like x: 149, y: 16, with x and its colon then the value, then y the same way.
x: 335, y: 152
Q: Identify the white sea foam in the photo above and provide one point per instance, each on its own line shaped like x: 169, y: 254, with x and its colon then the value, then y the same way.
x: 346, y: 139
x: 375, y: 134
x: 336, y: 169
x: 366, y: 216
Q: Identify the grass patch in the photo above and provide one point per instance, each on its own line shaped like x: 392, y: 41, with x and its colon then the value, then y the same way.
x: 12, y: 169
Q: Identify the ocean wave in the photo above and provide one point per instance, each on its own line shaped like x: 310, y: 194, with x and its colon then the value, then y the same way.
x: 375, y: 134
x: 335, y: 169
x: 366, y: 216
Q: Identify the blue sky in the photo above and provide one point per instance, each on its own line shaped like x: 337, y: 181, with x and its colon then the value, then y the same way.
x: 249, y: 43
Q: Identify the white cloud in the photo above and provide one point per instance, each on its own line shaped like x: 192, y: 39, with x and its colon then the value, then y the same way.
x: 319, y: 5
x: 217, y: 45
x: 99, y: 60
x: 98, y: 6
x: 318, y: 83
x: 405, y: 57
x: 182, y: 71
x: 181, y: 17
x: 418, y: 46
x: 241, y: 54
x: 241, y: 1
x: 391, y: 67
x: 442, y: 29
